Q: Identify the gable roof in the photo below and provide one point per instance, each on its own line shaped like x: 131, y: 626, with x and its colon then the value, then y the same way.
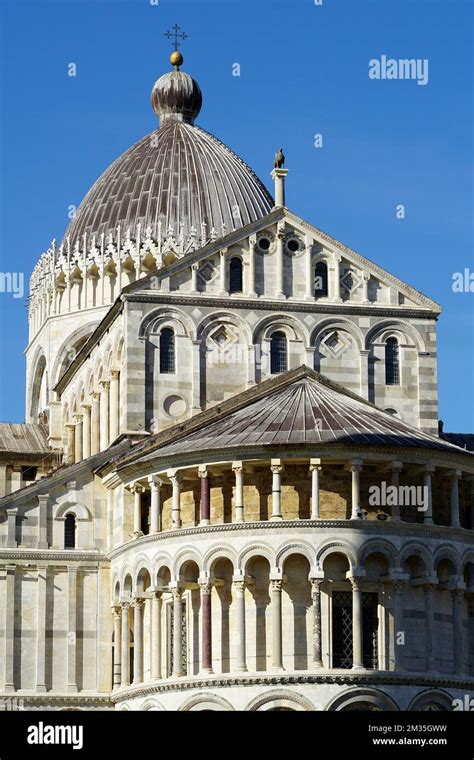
x: 298, y: 407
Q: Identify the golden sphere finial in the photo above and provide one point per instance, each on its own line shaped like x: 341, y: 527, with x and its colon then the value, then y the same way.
x: 176, y: 59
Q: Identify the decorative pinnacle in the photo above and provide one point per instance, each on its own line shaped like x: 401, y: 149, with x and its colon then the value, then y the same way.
x: 176, y: 59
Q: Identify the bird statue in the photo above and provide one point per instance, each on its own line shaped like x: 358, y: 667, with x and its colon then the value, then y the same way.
x: 279, y: 159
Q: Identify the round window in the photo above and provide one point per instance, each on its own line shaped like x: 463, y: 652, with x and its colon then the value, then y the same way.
x: 264, y: 243
x: 293, y: 245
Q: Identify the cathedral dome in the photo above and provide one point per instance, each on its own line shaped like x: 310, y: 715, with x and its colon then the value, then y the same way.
x: 178, y: 180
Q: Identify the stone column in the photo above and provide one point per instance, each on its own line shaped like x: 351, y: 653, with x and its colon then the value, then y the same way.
x: 428, y: 515
x: 251, y: 285
x: 364, y: 373
x: 357, y: 651
x: 279, y: 175
x: 196, y: 369
x: 276, y: 468
x: 356, y: 467
x: 72, y: 630
x: 315, y: 469
x: 177, y: 633
x: 11, y: 528
x: 335, y: 286
x: 43, y: 521
x: 155, y: 506
x: 277, y: 651
x: 114, y: 404
x: 137, y: 491
x: 238, y: 470
x: 71, y: 437
x: 280, y: 263
x: 455, y: 478
x: 310, y: 281
x: 156, y: 635
x: 78, y: 438
x: 317, y: 642
x: 206, y: 622
x: 430, y: 661
x: 365, y: 286
x: 396, y: 468
x: 9, y: 661
x: 117, y: 674
x: 194, y: 281
x: 176, y: 481
x: 205, y: 512
x: 398, y: 625
x: 86, y: 431
x: 238, y: 591
x: 125, y: 681
x: 95, y: 424
x: 104, y: 415
x: 41, y: 620
x: 458, y: 630
x: 137, y: 640
x: 222, y: 272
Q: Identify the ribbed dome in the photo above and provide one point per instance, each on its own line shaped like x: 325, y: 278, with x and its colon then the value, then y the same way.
x: 178, y: 175
x: 178, y: 180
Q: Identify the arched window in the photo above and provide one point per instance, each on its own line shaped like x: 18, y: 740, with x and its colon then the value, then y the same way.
x: 70, y: 532
x: 278, y: 353
x: 392, y: 365
x: 320, y: 279
x: 167, y: 352
x: 235, y: 275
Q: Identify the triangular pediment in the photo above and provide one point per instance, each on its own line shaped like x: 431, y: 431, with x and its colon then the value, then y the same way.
x: 361, y: 281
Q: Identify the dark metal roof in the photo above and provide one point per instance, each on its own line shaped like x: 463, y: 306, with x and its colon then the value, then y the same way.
x: 307, y: 409
x: 23, y: 438
x: 179, y: 176
x: 463, y: 440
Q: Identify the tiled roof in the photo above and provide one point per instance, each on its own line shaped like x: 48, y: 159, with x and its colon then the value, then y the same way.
x: 308, y: 409
x: 178, y: 175
x: 23, y: 438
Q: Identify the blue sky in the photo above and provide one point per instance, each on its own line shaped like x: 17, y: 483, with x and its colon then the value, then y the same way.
x: 304, y: 70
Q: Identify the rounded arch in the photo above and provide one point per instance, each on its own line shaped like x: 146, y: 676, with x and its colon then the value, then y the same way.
x: 379, y: 546
x: 206, y: 701
x: 80, y: 511
x: 419, y: 551
x: 432, y: 700
x: 336, y: 547
x: 39, y: 377
x: 446, y: 552
x: 338, y: 323
x: 188, y: 554
x: 69, y: 349
x: 151, y: 323
x: 152, y: 705
x: 216, y: 553
x: 280, y: 699
x: 213, y: 320
x: 140, y: 563
x: 291, y: 327
x: 257, y: 550
x: 368, y: 699
x: 287, y: 551
x: 396, y: 325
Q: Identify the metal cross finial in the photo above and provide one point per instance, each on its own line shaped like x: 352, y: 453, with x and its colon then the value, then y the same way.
x: 175, y: 33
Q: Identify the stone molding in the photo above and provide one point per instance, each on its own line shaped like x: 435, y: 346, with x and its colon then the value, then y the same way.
x: 370, y: 679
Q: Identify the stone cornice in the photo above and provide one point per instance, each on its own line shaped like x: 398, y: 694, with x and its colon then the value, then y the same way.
x: 260, y: 303
x: 92, y: 557
x: 368, y: 678
x: 364, y: 526
x: 131, y: 470
x: 59, y: 700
